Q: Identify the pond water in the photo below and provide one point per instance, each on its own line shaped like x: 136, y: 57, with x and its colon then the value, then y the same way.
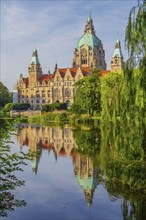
x: 66, y: 180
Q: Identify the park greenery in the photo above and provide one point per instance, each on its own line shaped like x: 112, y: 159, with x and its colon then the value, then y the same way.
x: 10, y: 164
x: 5, y: 95
x: 116, y: 141
x: 54, y: 106
x: 16, y: 106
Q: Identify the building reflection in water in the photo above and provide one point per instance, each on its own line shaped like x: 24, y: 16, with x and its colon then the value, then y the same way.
x: 87, y: 176
x: 62, y: 143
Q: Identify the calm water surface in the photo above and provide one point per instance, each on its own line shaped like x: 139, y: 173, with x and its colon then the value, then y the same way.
x: 63, y: 182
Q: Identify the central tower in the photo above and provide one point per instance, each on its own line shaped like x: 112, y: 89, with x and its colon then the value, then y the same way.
x: 89, y: 50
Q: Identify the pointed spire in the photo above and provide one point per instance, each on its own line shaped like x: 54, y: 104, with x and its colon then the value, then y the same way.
x: 89, y: 28
x: 89, y: 16
x: 118, y: 51
x: 49, y: 71
x: 56, y: 67
x: 35, y: 59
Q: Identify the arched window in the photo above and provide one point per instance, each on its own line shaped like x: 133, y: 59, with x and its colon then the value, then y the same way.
x: 43, y: 93
x: 67, y: 93
x: 37, y: 94
x: 57, y: 93
x: 48, y: 93
x: 84, y: 56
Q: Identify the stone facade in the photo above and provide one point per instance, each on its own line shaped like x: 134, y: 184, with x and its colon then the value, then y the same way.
x: 47, y: 89
x: 39, y: 89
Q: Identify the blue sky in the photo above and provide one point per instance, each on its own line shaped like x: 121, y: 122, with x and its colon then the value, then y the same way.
x: 55, y: 28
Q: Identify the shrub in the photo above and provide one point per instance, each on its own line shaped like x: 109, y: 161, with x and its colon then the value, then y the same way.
x: 54, y: 106
x: 8, y: 107
x: 20, y: 106
x: 1, y: 113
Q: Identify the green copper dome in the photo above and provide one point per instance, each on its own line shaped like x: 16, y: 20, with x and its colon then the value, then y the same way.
x: 89, y: 183
x: 89, y: 39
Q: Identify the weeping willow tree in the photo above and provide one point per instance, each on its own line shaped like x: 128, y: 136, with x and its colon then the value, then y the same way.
x: 124, y: 94
x: 135, y: 68
x: 111, y: 86
x: 126, y: 173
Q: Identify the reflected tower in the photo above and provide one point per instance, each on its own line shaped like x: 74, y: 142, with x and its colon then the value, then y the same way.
x: 87, y: 176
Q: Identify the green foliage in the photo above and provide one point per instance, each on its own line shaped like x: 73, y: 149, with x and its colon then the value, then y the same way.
x: 5, y: 95
x: 87, y: 97
x: 10, y: 163
x: 8, y: 107
x: 1, y: 113
x: 16, y: 106
x: 77, y: 109
x: 132, y: 173
x: 21, y: 119
x: 111, y: 96
x: 135, y: 31
x: 49, y: 118
x: 54, y: 106
x: 133, y: 201
x: 136, y: 43
x: 20, y: 106
x: 88, y: 141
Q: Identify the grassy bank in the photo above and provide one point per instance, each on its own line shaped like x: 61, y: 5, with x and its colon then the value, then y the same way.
x: 48, y: 118
x: 62, y: 118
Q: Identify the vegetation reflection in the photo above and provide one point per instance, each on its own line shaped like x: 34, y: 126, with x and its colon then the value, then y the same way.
x: 10, y: 164
x: 112, y: 155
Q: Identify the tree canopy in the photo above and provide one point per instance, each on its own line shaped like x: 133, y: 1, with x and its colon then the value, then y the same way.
x: 5, y: 95
x: 87, y: 97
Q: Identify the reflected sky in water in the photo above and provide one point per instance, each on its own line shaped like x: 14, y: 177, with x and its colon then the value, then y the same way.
x: 61, y: 183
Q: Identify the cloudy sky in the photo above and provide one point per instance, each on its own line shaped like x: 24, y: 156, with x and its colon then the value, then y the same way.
x: 55, y: 27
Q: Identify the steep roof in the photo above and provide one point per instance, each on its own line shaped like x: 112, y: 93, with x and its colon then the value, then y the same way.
x: 85, y: 71
x: 104, y: 72
x: 48, y: 77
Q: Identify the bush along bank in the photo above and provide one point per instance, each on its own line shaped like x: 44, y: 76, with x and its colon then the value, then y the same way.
x: 48, y: 118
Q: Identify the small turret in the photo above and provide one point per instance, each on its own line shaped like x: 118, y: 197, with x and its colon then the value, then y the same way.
x: 117, y: 63
x: 35, y: 59
x: 34, y: 70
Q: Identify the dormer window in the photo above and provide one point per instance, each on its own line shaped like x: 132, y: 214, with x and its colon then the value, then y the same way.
x: 58, y: 79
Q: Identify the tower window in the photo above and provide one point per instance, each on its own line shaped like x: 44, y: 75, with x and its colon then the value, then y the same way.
x: 84, y: 56
x: 84, y: 60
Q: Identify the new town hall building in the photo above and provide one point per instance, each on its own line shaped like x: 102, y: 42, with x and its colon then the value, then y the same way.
x: 38, y: 88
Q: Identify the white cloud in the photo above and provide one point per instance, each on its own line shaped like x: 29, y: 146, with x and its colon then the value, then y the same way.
x: 55, y: 26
